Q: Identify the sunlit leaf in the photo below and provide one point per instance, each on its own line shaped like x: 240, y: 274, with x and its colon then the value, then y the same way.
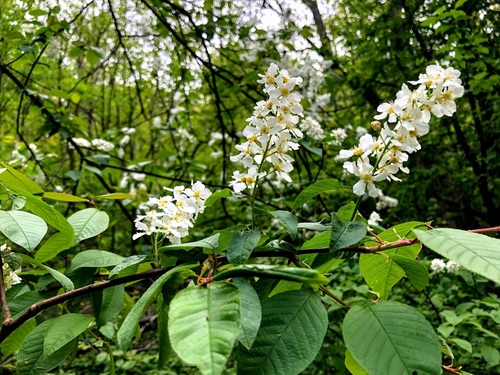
x: 22, y: 228
x: 204, y: 323
x: 474, y: 251
x: 88, y: 223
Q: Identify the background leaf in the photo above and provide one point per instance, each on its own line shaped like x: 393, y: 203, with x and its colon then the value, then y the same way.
x: 204, y: 323
x: 293, y: 326
x: 22, y: 228
x: 476, y: 252
x: 391, y: 338
x: 63, y: 197
x: 288, y: 220
x: 315, y: 189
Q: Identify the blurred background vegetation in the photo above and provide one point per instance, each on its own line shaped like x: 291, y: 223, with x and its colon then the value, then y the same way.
x: 170, y: 83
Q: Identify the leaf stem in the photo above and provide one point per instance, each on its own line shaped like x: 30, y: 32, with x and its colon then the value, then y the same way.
x: 334, y: 297
x: 358, y: 202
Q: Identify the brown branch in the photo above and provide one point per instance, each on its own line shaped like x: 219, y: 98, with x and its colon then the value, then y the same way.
x: 3, y: 298
x: 9, y: 326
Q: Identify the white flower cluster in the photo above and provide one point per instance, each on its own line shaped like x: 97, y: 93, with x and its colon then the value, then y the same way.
x: 173, y: 215
x: 406, y: 119
x: 313, y: 129
x: 374, y: 220
x: 384, y: 201
x: 10, y: 276
x: 270, y: 131
x: 99, y: 144
x: 439, y: 266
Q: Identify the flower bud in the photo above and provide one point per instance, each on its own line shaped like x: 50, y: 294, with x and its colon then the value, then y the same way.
x: 376, y: 125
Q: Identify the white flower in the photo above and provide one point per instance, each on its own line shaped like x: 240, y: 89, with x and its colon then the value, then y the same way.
x: 172, y: 216
x: 270, y: 129
x: 81, y: 142
x: 364, y: 170
x: 374, y: 220
x: 388, y: 109
x: 102, y: 145
x: 10, y: 277
x: 452, y: 266
x: 339, y: 136
x: 438, y: 265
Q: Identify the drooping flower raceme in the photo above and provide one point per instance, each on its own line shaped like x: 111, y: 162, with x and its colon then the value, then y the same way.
x: 10, y: 276
x: 405, y: 120
x: 173, y: 215
x: 271, y: 132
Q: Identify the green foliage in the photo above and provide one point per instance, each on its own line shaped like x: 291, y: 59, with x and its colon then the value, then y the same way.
x: 382, y: 347
x: 476, y: 252
x: 262, y: 274
x: 293, y: 322
x: 203, y: 333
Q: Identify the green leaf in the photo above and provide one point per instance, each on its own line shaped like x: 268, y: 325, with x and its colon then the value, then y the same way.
x: 111, y: 305
x: 465, y: 345
x: 320, y: 241
x: 62, y: 279
x: 88, y: 223
x: 207, y: 243
x: 56, y: 243
x: 116, y: 196
x: 127, y: 329
x: 13, y: 342
x: 241, y: 246
x: 416, y: 272
x: 344, y: 235
x: 23, y: 301
x: 291, y: 334
x: 31, y: 359
x: 315, y: 189
x: 204, y: 323
x: 17, y: 181
x: 353, y: 366
x: 380, y: 271
x: 95, y: 259
x: 476, y: 252
x: 165, y: 349
x: 22, y: 228
x: 217, y: 196
x: 63, y: 330
x: 130, y: 262
x: 491, y: 355
x: 288, y: 220
x: 391, y: 338
x: 251, y: 312
x: 300, y: 275
x: 63, y: 197
x: 226, y: 234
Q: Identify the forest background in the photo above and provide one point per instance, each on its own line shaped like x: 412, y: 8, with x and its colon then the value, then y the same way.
x: 111, y: 101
